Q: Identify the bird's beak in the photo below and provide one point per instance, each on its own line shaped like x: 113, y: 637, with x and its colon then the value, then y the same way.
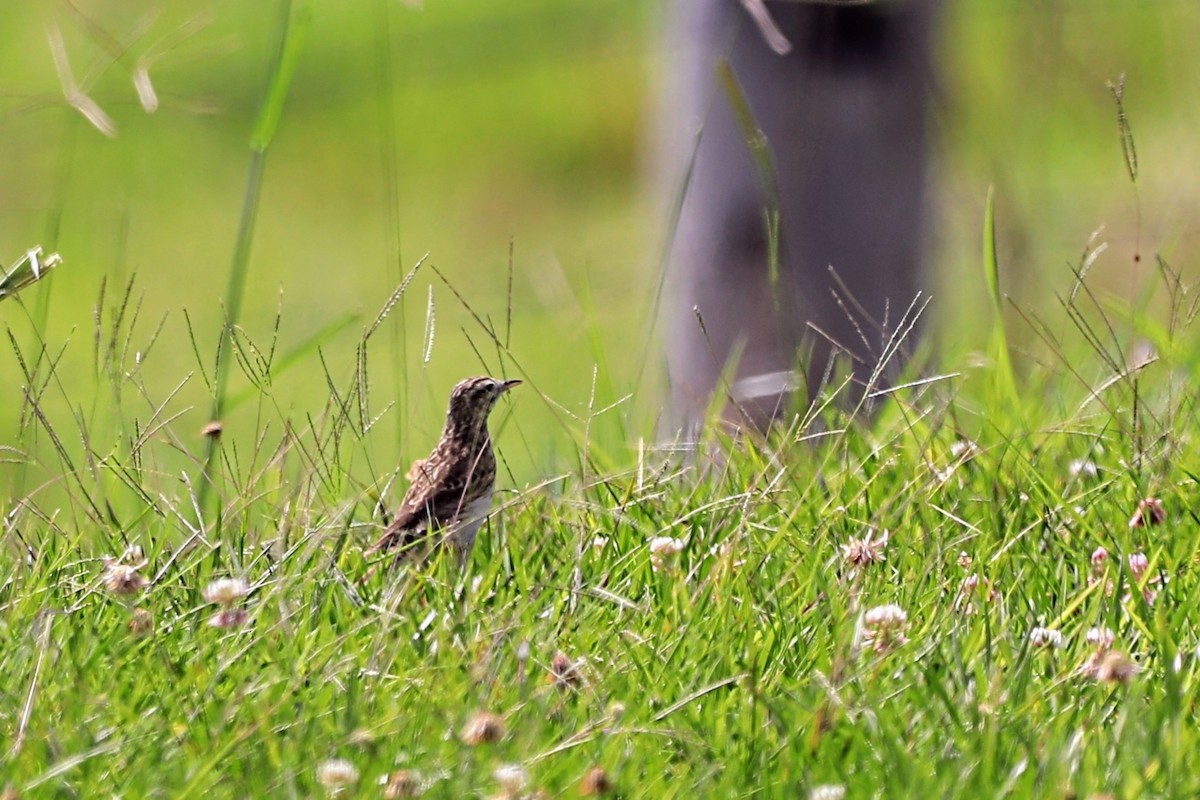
x: 504, y: 387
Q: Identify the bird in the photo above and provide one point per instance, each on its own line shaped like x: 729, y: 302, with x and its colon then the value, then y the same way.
x: 450, y: 491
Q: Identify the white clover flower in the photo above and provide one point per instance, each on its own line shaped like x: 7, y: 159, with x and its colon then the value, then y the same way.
x: 1102, y: 638
x: 513, y: 778
x: 888, y: 617
x: 1046, y: 637
x: 483, y: 727
x: 663, y: 550
x: 122, y: 576
x: 402, y: 784
x: 336, y: 775
x: 867, y: 550
x: 1110, y: 666
x: 964, y: 449
x: 229, y: 618
x: 123, y: 579
x: 884, y: 627
x: 1084, y: 467
x: 225, y: 591
x: 1150, y: 511
x: 832, y: 791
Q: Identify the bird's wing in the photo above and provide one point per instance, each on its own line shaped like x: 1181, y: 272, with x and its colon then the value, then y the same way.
x: 434, y: 498
x: 415, y: 471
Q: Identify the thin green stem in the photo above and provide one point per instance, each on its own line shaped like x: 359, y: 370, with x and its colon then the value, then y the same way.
x: 294, y: 27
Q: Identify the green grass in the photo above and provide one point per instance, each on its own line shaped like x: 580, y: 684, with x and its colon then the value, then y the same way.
x: 502, y: 139
x: 739, y: 667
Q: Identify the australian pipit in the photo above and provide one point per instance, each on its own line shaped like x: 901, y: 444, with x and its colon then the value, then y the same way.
x: 450, y: 493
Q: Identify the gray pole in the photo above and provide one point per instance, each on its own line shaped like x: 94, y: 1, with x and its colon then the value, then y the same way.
x: 844, y: 114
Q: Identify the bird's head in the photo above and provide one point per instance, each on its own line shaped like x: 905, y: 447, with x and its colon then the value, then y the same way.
x: 472, y: 400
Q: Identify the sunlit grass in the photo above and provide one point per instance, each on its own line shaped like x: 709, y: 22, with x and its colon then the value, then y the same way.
x: 983, y: 588
x: 916, y: 604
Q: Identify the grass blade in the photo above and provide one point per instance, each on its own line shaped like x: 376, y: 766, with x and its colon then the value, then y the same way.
x: 31, y: 268
x: 1005, y: 380
x: 295, y: 25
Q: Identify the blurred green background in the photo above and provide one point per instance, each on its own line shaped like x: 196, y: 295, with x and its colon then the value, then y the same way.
x: 464, y: 128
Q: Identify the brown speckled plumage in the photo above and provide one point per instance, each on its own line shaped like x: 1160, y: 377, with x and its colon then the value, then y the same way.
x: 451, y: 489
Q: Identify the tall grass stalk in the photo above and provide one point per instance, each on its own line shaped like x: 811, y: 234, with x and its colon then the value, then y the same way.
x: 1005, y: 382
x: 294, y: 25
x: 385, y: 109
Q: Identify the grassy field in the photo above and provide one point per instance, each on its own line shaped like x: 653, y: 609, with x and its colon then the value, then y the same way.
x: 957, y: 597
x: 984, y: 586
